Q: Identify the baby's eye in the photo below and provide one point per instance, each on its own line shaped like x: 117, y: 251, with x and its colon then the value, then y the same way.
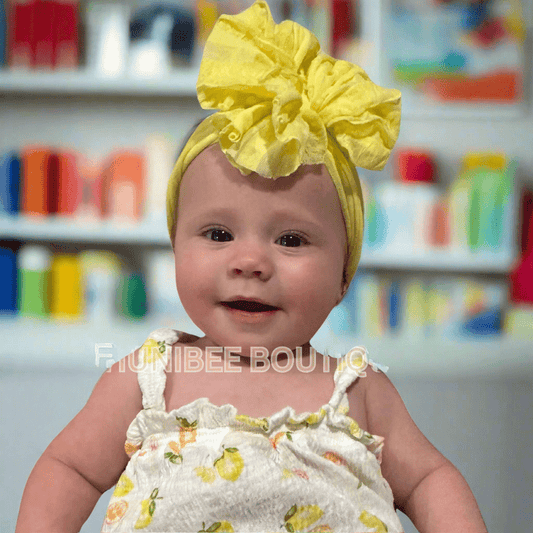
x: 293, y: 240
x: 218, y: 234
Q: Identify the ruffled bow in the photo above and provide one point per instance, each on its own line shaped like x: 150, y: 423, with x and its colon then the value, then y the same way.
x: 279, y: 97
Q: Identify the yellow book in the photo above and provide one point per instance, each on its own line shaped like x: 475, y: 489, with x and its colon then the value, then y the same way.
x: 66, y: 287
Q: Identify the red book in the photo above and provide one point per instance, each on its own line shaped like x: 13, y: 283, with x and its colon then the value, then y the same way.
x: 20, y: 29
x: 69, y: 188
x: 66, y: 34
x: 342, y: 24
x: 43, y: 30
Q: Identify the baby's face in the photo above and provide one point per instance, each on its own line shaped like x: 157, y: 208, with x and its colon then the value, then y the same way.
x: 279, y: 241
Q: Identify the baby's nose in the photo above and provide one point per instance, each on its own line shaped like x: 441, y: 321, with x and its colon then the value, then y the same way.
x: 252, y: 260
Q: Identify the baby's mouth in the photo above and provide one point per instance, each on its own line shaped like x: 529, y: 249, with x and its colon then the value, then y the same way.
x: 250, y: 307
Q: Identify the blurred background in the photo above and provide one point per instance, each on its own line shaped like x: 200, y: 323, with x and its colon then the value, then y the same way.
x: 96, y: 98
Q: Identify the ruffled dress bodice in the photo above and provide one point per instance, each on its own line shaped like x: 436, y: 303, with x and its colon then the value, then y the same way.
x: 204, y: 467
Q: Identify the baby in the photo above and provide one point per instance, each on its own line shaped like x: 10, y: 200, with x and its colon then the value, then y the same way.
x: 249, y: 428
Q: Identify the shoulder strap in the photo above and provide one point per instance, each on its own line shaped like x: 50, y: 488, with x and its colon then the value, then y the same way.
x: 349, y: 368
x: 153, y: 359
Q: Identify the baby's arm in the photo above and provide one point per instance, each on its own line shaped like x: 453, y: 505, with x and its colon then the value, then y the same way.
x: 84, y: 460
x: 426, y: 486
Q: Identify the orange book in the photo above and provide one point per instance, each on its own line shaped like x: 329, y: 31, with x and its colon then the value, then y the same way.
x: 35, y: 173
x: 124, y: 192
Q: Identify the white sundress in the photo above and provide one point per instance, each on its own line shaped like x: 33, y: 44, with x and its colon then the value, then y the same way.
x: 207, y: 468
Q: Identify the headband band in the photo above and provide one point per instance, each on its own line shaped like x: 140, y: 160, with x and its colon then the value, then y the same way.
x: 282, y: 104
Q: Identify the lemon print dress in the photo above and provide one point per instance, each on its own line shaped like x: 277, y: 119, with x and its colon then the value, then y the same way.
x: 207, y: 468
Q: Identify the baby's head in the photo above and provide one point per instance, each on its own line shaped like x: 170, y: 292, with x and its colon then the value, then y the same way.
x: 281, y: 242
x: 292, y: 125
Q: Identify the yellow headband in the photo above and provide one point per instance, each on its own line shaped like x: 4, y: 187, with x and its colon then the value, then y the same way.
x: 282, y: 104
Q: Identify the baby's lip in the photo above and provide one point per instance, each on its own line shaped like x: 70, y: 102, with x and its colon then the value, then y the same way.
x: 248, y: 299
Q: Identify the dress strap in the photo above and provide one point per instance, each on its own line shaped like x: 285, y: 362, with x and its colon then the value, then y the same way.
x: 153, y: 359
x: 349, y: 367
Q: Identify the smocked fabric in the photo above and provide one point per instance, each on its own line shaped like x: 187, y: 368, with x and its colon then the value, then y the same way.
x: 208, y: 468
x: 282, y: 103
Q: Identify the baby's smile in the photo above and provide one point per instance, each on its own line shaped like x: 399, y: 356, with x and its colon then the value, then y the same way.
x: 250, y: 312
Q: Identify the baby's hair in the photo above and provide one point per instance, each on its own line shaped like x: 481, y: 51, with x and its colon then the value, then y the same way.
x: 186, y: 140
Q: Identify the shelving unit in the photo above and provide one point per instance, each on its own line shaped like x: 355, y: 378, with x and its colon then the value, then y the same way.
x: 73, y: 345
x: 85, y: 82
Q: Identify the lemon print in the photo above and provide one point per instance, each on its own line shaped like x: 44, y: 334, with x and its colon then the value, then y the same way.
x: 356, y: 362
x: 174, y: 456
x: 152, y: 350
x: 230, y: 465
x: 187, y: 431
x: 206, y: 474
x: 315, y: 418
x: 341, y: 364
x: 254, y: 422
x: 321, y: 529
x: 131, y: 448
x: 187, y: 435
x: 334, y: 458
x: 218, y: 527
x: 116, y: 511
x: 298, y: 518
x: 369, y: 520
x: 354, y: 429
x: 278, y: 436
x: 124, y: 485
x: 147, y: 510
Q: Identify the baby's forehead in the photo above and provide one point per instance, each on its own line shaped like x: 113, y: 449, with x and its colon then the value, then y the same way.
x: 212, y: 162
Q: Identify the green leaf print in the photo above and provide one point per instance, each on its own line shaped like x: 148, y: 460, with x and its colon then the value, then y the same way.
x: 174, y: 457
x: 290, y: 513
x: 184, y: 423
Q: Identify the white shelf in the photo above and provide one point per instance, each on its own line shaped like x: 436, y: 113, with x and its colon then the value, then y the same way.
x: 439, y: 260
x: 72, y: 346
x: 82, y: 231
x: 84, y: 82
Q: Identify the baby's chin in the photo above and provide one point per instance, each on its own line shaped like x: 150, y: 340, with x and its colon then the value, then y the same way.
x: 246, y: 352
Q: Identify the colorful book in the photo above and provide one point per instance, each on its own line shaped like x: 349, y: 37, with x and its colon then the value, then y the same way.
x: 21, y: 34
x: 8, y: 281
x: 66, y: 34
x: 10, y: 183
x: 124, y: 177
x: 43, y: 46
x: 35, y: 162
x: 69, y: 186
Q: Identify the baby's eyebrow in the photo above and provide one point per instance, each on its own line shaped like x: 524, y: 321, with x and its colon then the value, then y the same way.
x: 288, y: 215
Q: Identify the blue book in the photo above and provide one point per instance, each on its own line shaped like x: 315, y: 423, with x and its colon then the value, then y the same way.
x: 394, y: 306
x: 10, y: 183
x: 8, y: 281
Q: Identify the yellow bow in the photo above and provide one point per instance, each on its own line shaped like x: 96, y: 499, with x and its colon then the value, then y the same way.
x: 282, y: 103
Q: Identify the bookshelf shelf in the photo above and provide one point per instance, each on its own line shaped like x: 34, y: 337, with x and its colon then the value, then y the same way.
x: 181, y: 83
